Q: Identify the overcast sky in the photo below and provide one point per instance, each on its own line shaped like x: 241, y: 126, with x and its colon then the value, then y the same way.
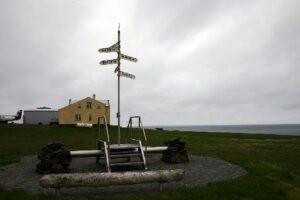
x: 200, y: 62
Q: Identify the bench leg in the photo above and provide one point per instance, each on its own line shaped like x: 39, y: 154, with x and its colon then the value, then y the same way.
x: 57, y: 192
x: 160, y: 186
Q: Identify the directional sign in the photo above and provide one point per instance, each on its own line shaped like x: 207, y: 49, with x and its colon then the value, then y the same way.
x: 129, y: 58
x: 107, y: 50
x: 116, y: 70
x: 127, y: 75
x: 113, y: 48
x: 107, y: 62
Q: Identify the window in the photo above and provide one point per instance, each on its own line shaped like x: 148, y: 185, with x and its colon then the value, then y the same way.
x: 98, y: 107
x: 79, y: 106
x: 77, y: 117
x: 88, y: 105
x: 90, y: 117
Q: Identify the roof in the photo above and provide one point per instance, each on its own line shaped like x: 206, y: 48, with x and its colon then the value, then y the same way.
x: 41, y: 110
x: 106, y: 102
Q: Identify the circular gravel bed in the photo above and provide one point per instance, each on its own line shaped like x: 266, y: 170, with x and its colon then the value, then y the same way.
x: 199, y: 171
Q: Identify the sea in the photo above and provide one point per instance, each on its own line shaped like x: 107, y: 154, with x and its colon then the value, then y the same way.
x: 278, y: 129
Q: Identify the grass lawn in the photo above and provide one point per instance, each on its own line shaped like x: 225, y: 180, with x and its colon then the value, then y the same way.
x: 272, y: 162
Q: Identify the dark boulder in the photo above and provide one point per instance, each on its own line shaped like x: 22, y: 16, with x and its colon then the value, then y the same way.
x: 176, y: 152
x: 53, y: 159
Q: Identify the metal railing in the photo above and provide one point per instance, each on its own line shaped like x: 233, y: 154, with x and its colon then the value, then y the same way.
x: 140, y: 129
x: 106, y: 128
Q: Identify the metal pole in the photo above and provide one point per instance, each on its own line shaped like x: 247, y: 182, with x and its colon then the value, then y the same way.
x: 119, y: 114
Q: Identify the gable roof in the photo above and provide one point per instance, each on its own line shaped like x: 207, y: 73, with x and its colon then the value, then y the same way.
x: 105, y: 102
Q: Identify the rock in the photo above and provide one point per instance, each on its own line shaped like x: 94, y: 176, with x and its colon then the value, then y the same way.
x: 53, y: 159
x: 176, y: 152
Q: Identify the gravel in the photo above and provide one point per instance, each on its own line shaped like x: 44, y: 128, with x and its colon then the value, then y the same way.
x: 199, y: 171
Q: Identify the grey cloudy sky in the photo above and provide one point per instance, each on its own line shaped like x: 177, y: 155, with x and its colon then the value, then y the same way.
x: 200, y: 62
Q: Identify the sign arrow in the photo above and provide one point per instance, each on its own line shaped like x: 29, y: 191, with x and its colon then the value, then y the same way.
x: 113, y: 48
x: 108, y: 62
x: 107, y: 50
x: 116, y: 70
x: 127, y: 75
x: 132, y: 59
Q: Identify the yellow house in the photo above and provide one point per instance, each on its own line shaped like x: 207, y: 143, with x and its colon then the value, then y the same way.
x: 86, y: 110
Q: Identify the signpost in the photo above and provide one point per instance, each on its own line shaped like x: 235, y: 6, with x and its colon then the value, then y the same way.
x: 117, y: 48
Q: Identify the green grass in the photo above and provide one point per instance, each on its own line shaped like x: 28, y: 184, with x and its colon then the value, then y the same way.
x: 272, y: 162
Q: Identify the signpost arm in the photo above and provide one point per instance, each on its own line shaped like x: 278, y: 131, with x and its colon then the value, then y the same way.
x: 119, y: 74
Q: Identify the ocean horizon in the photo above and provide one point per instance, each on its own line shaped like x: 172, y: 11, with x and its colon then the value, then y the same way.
x: 278, y: 129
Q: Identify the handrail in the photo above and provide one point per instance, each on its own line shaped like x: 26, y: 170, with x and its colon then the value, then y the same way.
x: 140, y: 126
x: 105, y: 123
